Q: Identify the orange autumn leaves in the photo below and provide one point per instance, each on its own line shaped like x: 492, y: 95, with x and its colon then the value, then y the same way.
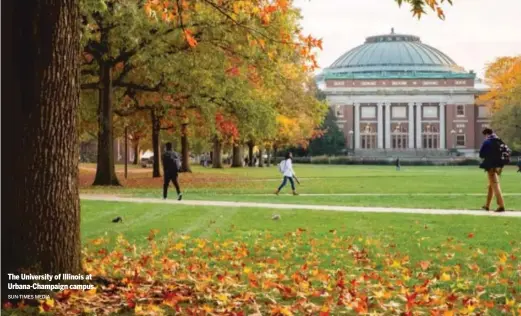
x: 251, y: 11
x: 298, y: 273
x: 504, y: 78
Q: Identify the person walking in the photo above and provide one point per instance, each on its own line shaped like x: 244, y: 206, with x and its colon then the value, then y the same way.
x: 171, y: 167
x: 397, y: 164
x: 519, y: 164
x: 495, y: 155
x: 286, y: 168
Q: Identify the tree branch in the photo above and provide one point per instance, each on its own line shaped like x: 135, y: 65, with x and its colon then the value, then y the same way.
x: 90, y: 86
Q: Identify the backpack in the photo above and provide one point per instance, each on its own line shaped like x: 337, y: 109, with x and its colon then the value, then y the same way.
x: 177, y: 161
x: 282, y: 166
x: 502, y: 152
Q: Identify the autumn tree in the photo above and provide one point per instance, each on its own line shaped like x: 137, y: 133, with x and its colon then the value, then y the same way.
x: 41, y: 222
x: 504, y: 98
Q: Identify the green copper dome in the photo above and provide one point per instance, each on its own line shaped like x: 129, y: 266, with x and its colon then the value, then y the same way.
x: 395, y: 56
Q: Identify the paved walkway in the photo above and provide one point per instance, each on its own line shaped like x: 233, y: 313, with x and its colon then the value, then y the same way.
x: 112, y: 198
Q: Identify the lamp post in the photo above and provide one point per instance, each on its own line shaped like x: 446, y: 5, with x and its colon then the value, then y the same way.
x: 352, y: 140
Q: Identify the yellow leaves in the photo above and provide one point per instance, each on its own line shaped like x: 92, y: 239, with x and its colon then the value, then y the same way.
x: 46, y: 305
x: 445, y: 277
x: 504, y: 78
x: 502, y: 257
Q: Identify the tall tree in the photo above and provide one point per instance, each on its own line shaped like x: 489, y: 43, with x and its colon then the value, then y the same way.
x: 504, y: 98
x: 41, y: 222
x: 332, y: 141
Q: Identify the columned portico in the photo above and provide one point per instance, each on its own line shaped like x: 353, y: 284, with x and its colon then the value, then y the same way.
x: 387, y: 125
x: 380, y: 126
x: 410, y: 114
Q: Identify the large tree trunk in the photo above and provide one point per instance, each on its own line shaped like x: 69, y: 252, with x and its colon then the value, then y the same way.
x: 237, y: 156
x: 105, y: 169
x: 217, y: 160
x: 136, y: 153
x: 156, y: 128
x: 251, y: 145
x: 268, y: 153
x: 185, y: 154
x: 275, y: 149
x: 40, y: 206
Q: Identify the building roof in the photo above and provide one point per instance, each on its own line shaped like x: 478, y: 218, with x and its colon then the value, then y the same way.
x: 394, y: 56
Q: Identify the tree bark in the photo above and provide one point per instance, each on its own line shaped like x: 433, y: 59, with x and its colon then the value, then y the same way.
x: 185, y: 154
x: 261, y: 158
x: 40, y: 206
x: 217, y: 153
x: 156, y: 128
x: 251, y: 145
x: 237, y: 156
x: 275, y: 149
x: 136, y: 153
x: 268, y: 153
x: 105, y: 169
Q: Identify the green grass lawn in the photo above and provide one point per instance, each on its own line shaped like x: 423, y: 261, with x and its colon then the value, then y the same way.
x: 447, y: 184
x: 440, y: 262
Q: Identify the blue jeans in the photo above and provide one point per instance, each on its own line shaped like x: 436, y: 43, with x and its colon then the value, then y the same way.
x: 285, y: 180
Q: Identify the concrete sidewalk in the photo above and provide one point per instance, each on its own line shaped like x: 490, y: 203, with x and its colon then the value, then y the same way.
x: 111, y: 198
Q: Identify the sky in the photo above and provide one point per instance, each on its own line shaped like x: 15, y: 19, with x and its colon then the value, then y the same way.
x: 474, y: 32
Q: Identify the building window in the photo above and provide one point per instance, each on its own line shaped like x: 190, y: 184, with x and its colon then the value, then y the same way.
x: 341, y: 126
x: 368, y: 137
x: 399, y: 112
x: 339, y: 111
x: 460, y: 140
x: 368, y: 112
x: 400, y: 137
x: 483, y: 112
x: 430, y: 111
x: 431, y: 137
x: 460, y: 110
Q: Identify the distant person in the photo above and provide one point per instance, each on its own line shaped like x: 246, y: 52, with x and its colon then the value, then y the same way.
x: 519, y: 164
x: 495, y: 154
x: 397, y: 163
x: 171, y: 168
x: 286, y: 168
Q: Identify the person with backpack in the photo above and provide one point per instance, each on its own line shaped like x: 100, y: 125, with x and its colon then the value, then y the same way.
x: 286, y: 168
x: 171, y: 168
x: 495, y: 154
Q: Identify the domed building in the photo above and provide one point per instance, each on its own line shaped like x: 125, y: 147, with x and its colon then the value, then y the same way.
x: 394, y: 94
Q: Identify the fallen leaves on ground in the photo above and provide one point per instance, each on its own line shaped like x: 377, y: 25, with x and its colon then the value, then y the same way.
x: 300, y: 273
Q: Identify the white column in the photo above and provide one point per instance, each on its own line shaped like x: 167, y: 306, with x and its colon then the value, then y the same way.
x: 380, y: 128
x: 442, y: 125
x: 388, y: 125
x: 419, y: 138
x: 410, y: 113
x: 357, y: 125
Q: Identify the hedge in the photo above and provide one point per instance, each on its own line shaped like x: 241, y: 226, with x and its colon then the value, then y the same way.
x: 345, y: 160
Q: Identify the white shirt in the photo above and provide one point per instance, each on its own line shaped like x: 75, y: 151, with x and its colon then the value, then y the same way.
x: 288, y: 168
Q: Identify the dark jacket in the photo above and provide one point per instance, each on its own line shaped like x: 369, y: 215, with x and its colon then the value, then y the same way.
x: 489, y: 153
x: 169, y: 162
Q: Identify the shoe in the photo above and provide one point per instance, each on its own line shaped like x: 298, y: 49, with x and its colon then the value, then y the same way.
x: 485, y: 208
x: 500, y: 209
x: 180, y: 197
x: 295, y: 193
x: 277, y: 192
